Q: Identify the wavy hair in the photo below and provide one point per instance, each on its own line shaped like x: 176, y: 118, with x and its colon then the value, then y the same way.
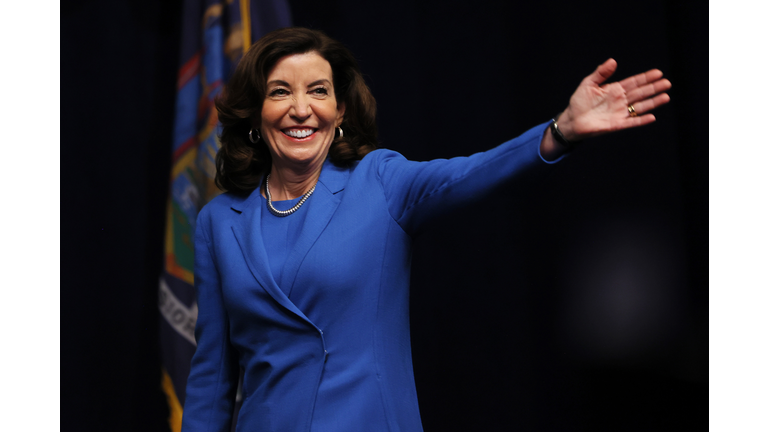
x: 240, y: 164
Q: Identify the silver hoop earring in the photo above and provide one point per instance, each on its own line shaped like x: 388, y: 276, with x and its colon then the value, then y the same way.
x: 341, y: 132
x: 250, y: 136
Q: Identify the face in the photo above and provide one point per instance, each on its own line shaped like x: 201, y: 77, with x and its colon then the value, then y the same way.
x: 300, y: 112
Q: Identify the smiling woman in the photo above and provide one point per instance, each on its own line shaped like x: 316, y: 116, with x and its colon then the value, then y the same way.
x: 290, y: 74
x: 298, y: 121
x: 311, y: 299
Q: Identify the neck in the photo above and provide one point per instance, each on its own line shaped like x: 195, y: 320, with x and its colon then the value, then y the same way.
x: 287, y: 184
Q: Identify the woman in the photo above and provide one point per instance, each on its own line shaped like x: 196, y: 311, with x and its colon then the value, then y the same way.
x: 302, y: 267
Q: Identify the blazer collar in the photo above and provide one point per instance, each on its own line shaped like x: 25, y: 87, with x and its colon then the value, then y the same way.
x: 332, y: 178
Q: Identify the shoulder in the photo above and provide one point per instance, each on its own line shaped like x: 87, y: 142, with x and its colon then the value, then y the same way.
x: 376, y: 160
x: 335, y: 177
x: 223, y: 207
x: 379, y: 155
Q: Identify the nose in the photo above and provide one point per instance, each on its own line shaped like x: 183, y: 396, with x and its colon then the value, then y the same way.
x: 301, y: 109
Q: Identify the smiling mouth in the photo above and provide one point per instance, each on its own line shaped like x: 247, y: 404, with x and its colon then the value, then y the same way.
x: 299, y: 133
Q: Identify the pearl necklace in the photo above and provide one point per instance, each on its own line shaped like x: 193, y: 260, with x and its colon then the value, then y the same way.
x: 284, y: 213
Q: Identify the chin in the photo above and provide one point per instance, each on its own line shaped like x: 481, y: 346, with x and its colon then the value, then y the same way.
x: 303, y: 157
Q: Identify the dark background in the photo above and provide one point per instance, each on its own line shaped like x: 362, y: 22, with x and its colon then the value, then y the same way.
x: 575, y: 301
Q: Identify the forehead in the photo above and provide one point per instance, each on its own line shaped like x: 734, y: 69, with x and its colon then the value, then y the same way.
x: 297, y: 68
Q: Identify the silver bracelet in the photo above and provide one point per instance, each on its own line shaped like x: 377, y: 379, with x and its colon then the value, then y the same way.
x: 558, y: 136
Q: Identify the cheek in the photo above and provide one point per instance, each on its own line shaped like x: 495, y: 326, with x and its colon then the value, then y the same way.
x: 271, y: 113
x: 331, y: 115
x: 266, y: 119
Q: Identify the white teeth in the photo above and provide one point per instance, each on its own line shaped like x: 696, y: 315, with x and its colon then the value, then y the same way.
x: 302, y: 133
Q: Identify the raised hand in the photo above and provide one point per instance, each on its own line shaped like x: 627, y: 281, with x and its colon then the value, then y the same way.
x: 596, y: 108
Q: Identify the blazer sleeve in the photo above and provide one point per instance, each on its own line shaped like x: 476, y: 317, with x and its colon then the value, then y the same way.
x: 213, y: 377
x: 416, y: 192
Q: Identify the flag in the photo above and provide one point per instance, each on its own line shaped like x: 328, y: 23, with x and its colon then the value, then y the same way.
x: 215, y: 34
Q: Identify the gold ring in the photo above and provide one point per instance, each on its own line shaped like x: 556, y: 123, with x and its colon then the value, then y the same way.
x: 631, y: 110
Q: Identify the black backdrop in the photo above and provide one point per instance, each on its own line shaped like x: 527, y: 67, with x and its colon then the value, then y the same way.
x: 576, y: 301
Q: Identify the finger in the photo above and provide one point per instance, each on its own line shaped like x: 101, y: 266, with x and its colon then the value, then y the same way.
x: 631, y: 122
x: 642, y: 79
x: 648, y: 90
x: 649, y: 104
x: 603, y: 72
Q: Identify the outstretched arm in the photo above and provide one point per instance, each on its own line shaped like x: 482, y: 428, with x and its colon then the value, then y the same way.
x: 596, y: 108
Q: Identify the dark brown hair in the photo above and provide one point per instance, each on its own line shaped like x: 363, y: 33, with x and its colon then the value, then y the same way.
x: 240, y: 163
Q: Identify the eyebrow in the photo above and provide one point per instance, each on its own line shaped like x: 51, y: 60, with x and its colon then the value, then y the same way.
x: 318, y: 82
x: 313, y: 83
x: 277, y: 82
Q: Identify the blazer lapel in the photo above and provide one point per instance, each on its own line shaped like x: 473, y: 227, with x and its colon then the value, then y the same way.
x: 321, y: 207
x: 247, y: 230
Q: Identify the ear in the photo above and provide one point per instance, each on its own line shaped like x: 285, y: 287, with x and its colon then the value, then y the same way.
x: 256, y: 122
x: 341, y: 109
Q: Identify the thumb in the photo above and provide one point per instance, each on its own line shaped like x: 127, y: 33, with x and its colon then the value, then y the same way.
x: 603, y: 72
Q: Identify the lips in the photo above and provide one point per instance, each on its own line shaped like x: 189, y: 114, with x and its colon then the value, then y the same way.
x: 299, y: 133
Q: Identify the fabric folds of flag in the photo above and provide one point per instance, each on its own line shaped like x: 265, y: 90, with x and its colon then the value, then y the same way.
x: 215, y: 34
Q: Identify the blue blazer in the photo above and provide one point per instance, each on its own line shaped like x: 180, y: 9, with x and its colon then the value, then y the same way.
x: 338, y: 358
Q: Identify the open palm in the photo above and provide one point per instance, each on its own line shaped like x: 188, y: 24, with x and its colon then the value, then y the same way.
x: 596, y: 109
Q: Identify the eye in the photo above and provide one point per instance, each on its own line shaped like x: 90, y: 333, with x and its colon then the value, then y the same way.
x: 278, y: 92
x: 320, y: 91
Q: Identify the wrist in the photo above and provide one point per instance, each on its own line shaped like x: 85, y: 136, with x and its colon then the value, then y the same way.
x: 562, y: 131
x: 566, y: 125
